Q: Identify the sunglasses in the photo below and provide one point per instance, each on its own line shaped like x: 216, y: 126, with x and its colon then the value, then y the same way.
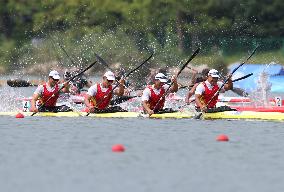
x: 54, y: 79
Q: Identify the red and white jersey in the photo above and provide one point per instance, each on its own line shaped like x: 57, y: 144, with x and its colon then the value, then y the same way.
x: 49, y: 98
x: 207, y: 91
x: 153, y: 95
x: 101, y: 95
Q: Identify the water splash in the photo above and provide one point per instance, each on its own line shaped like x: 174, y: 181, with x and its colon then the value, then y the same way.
x: 261, y: 95
x: 9, y: 97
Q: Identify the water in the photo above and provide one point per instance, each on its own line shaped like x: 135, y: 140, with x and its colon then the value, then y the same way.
x: 74, y: 154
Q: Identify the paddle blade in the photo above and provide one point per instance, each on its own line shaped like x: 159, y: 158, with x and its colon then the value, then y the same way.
x: 198, y: 116
x: 102, y: 61
x: 81, y: 72
x: 190, y: 59
x: 252, y: 53
x: 121, y: 99
x: 145, y: 61
x: 244, y: 77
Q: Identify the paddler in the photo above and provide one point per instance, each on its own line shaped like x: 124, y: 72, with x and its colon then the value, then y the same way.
x: 153, y: 93
x: 196, y: 79
x: 99, y: 95
x: 48, y: 93
x: 206, y: 90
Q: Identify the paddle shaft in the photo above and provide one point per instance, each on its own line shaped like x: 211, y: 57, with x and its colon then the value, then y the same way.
x: 65, y: 83
x: 102, y: 61
x: 121, y: 99
x: 62, y: 48
x: 244, y: 77
x: 129, y: 73
x: 192, y: 69
x: 179, y: 72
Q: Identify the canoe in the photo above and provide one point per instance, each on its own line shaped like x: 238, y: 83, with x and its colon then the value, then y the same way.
x: 246, y: 115
x: 176, y: 115
x: 234, y: 99
x: 273, y: 101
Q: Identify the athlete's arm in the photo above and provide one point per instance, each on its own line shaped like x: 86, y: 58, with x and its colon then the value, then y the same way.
x: 33, y: 102
x: 174, y: 87
x: 198, y: 93
x: 190, y: 93
x: 66, y: 87
x: 89, y: 96
x: 88, y: 103
x: 229, y: 84
x: 38, y: 92
x: 146, y: 107
x: 120, y: 90
x: 145, y: 101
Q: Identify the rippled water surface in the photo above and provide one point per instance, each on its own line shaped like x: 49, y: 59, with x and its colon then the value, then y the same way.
x: 74, y: 154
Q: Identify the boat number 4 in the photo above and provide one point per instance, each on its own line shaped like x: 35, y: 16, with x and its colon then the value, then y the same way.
x: 26, y: 106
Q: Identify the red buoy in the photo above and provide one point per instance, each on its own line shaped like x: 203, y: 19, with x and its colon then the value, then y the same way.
x: 118, y: 148
x: 19, y: 115
x: 222, y: 138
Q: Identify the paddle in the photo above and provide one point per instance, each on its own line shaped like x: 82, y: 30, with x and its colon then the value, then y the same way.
x: 24, y: 83
x: 121, y: 99
x: 78, y: 74
x: 179, y: 72
x: 185, y: 86
x: 102, y: 61
x: 244, y: 77
x: 62, y: 48
x: 217, y: 92
x: 129, y: 73
x: 192, y: 69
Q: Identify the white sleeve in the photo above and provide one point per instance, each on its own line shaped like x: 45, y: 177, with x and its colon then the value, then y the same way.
x: 146, y: 94
x: 39, y: 90
x: 92, y: 91
x: 199, y: 89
